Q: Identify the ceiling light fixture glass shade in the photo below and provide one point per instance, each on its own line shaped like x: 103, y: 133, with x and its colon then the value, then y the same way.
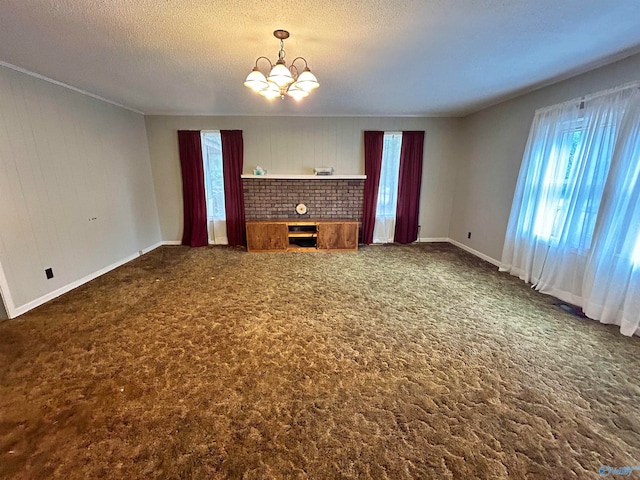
x: 280, y: 75
x: 272, y: 91
x: 282, y: 80
x: 297, y: 93
x: 307, y: 81
x: 256, y: 80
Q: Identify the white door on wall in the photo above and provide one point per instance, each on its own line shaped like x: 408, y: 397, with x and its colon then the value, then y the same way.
x: 214, y: 187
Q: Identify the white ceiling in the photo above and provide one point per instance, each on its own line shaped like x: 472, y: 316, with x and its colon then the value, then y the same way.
x: 371, y: 57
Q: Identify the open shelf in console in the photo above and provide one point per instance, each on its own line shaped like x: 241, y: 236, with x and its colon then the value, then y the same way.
x: 303, y: 236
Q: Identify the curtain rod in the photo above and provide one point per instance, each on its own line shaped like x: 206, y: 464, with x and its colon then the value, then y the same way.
x: 591, y: 96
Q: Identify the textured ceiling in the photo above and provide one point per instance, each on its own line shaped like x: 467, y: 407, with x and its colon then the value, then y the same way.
x: 371, y: 57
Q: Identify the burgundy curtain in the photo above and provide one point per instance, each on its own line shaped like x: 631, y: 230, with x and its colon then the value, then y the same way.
x: 373, y: 142
x: 232, y: 158
x: 193, y: 197
x: 409, y: 187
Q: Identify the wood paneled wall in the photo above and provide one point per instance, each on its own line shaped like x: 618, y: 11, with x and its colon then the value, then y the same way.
x: 76, y: 193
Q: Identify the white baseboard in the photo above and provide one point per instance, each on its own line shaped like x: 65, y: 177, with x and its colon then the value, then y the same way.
x: 464, y: 247
x: 171, y: 242
x: 481, y: 255
x: 13, y: 311
x: 152, y: 247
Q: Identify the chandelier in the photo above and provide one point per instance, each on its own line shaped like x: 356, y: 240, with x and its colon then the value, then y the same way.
x: 282, y: 80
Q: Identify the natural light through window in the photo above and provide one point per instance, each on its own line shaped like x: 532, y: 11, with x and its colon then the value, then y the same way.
x: 573, y: 183
x: 548, y: 222
x: 383, y: 231
x: 635, y: 256
x: 214, y: 186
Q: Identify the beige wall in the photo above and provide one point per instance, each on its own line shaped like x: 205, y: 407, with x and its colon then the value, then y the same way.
x: 292, y: 145
x: 494, y: 141
x: 76, y: 192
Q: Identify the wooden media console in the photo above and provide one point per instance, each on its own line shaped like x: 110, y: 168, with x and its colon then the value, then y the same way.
x: 302, y: 235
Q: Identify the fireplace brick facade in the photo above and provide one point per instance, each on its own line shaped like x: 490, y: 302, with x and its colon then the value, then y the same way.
x: 275, y: 198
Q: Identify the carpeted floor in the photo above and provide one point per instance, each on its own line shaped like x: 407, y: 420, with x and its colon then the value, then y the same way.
x: 395, y: 362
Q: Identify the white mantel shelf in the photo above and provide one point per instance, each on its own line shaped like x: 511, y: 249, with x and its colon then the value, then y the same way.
x: 271, y: 176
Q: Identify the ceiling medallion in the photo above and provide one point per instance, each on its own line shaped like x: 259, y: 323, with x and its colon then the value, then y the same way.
x: 282, y: 80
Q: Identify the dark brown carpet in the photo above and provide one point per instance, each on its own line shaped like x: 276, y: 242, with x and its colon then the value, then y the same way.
x: 395, y: 362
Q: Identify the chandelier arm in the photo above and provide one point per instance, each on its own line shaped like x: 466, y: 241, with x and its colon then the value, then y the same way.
x: 294, y: 71
x: 270, y: 64
x: 300, y: 58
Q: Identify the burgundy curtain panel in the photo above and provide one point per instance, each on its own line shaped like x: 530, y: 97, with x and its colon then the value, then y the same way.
x: 373, y: 142
x: 232, y: 159
x: 409, y: 182
x: 193, y: 197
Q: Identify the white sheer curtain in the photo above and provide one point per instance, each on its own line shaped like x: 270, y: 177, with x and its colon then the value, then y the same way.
x: 214, y: 187
x: 567, y: 191
x: 385, y: 225
x: 612, y: 277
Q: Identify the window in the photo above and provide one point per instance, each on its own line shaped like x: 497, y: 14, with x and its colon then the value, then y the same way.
x: 383, y: 231
x: 574, y: 229
x: 558, y: 172
x: 214, y: 187
x: 575, y: 173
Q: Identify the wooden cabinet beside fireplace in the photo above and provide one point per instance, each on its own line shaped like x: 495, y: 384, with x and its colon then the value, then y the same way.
x: 338, y: 236
x: 267, y: 236
x: 302, y: 236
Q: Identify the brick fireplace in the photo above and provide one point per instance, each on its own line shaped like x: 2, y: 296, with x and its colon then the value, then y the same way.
x: 276, y: 198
